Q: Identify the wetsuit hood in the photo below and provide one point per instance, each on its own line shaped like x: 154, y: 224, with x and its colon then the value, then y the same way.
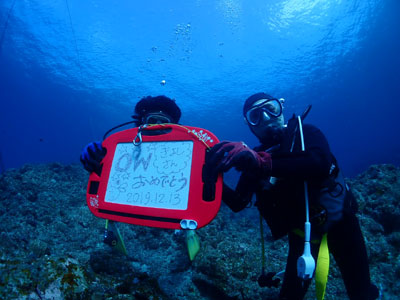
x: 157, y: 104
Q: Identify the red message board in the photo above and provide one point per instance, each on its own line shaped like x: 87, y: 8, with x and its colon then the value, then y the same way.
x: 152, y: 176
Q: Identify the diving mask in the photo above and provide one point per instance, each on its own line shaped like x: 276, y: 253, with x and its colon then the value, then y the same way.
x: 156, y: 118
x: 266, y: 108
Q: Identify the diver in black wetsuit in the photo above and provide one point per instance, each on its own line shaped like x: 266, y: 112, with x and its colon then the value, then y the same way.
x: 276, y: 171
x: 149, y: 110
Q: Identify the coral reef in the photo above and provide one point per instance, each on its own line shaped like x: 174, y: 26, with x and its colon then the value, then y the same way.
x: 51, y: 245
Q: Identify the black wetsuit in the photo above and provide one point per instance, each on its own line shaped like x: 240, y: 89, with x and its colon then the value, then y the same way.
x: 282, y: 205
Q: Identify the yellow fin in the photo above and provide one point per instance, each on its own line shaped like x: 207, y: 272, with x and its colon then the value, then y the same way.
x: 119, y: 245
x: 193, y: 243
x: 322, y: 271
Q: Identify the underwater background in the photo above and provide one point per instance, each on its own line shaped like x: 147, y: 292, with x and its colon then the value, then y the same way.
x: 70, y: 70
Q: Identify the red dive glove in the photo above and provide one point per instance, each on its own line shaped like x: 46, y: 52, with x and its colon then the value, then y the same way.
x: 226, y: 155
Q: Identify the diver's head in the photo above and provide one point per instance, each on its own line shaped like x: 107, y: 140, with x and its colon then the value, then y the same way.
x: 156, y: 110
x: 263, y: 114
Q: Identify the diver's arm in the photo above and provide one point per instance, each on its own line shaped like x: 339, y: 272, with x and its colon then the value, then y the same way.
x: 239, y: 198
x: 315, y: 162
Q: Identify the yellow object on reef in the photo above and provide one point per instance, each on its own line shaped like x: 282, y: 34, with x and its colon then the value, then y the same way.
x: 193, y: 243
x: 117, y: 242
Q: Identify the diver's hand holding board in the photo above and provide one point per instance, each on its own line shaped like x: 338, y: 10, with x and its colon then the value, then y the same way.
x: 152, y: 176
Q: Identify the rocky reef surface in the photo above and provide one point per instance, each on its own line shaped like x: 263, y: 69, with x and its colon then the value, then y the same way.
x: 51, y: 246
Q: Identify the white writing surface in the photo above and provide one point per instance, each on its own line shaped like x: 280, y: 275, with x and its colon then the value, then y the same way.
x: 153, y: 174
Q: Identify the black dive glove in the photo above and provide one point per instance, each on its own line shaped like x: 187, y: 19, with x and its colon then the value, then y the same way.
x: 91, y: 157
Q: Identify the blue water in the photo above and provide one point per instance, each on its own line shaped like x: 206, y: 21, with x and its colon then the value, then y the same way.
x: 70, y: 70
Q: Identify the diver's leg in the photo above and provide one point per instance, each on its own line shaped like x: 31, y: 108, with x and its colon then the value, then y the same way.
x: 346, y: 243
x: 293, y: 288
